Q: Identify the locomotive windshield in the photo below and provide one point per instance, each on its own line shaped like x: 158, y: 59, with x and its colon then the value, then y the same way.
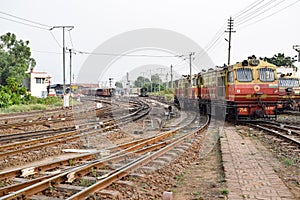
x: 244, y: 74
x: 266, y: 75
x: 288, y: 82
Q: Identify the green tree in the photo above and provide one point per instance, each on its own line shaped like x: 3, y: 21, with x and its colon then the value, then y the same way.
x: 155, y: 79
x: 13, y: 94
x: 141, y: 81
x: 280, y: 60
x: 15, y: 58
x: 119, y: 84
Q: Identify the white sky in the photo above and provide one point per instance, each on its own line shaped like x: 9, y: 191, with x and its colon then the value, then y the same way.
x: 97, y: 21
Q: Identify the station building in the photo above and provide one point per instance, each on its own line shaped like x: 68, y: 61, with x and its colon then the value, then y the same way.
x: 37, y: 83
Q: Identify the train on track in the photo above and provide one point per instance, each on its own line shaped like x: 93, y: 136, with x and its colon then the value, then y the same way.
x: 289, y: 89
x: 142, y: 92
x: 247, y: 90
x: 100, y: 92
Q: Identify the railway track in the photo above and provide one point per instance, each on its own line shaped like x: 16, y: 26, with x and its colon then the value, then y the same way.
x: 49, y: 119
x: 82, y: 130
x: 284, y: 138
x: 66, y: 183
x: 291, y: 112
x: 290, y: 134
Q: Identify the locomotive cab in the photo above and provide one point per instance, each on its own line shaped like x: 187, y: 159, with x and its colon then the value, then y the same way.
x: 252, y: 89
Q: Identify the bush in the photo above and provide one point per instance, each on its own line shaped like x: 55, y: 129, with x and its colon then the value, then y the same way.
x: 5, y: 99
x: 168, y: 93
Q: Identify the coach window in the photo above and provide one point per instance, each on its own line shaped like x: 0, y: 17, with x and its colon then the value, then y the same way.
x: 195, y: 81
x: 266, y: 75
x: 230, y: 77
x: 288, y: 82
x: 244, y: 74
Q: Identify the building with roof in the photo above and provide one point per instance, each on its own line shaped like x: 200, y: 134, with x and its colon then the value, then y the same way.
x: 37, y: 83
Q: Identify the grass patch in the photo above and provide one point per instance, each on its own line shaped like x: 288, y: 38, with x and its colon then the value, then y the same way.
x: 222, y: 179
x: 86, y: 183
x: 287, y: 162
x: 196, y: 193
x: 224, y: 191
x: 179, y: 176
x: 38, y: 104
x: 24, y: 108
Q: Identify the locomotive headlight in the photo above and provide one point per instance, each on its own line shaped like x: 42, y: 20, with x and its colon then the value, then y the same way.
x: 289, y: 90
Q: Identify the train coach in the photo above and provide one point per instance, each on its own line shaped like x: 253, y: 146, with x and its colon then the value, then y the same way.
x: 142, y: 92
x: 289, y: 89
x: 105, y: 92
x: 247, y: 90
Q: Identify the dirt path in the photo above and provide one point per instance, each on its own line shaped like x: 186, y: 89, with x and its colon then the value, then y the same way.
x: 204, y: 179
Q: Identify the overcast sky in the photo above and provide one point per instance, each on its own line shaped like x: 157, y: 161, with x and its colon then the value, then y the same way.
x: 270, y: 27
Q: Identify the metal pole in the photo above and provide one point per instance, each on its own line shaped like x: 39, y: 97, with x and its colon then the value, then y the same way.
x: 190, y: 57
x: 64, y: 62
x: 171, y: 76
x: 66, y: 103
x: 70, y: 51
x: 229, y: 30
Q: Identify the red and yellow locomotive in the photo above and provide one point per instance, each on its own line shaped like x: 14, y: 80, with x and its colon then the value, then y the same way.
x: 289, y: 89
x: 246, y: 90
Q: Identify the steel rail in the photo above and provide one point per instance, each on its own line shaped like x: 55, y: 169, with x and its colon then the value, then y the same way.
x: 107, y: 125
x: 126, y: 170
x: 85, y: 169
x: 275, y: 132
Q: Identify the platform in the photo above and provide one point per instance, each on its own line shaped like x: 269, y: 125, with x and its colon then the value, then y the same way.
x: 248, y: 174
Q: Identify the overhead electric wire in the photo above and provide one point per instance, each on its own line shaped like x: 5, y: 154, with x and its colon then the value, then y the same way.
x: 122, y: 55
x: 258, y: 14
x: 271, y: 14
x: 34, y: 26
x: 55, y: 39
x: 33, y: 22
x: 48, y: 52
x: 254, y: 12
x: 70, y: 37
x: 216, y: 37
x: 248, y: 8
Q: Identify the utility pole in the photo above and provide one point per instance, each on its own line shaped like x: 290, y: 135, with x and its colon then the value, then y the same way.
x: 70, y: 52
x: 297, y: 48
x: 66, y: 102
x: 150, y: 81
x: 167, y: 84
x: 229, y: 30
x: 110, y: 80
x: 143, y: 73
x: 161, y: 73
x: 127, y: 83
x: 190, y: 59
x: 171, y: 77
